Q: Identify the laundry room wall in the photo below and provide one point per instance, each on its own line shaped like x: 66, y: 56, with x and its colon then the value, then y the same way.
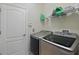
x: 66, y: 22
x: 34, y: 17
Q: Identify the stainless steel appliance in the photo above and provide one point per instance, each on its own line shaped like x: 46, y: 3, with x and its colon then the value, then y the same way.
x: 56, y: 43
x: 60, y: 43
x: 35, y: 41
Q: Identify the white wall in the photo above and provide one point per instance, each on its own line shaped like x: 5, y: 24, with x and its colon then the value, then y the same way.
x: 58, y: 24
x: 34, y: 17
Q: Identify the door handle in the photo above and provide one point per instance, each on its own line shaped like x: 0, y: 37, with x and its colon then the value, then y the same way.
x: 0, y: 9
x: 0, y: 32
x: 24, y: 34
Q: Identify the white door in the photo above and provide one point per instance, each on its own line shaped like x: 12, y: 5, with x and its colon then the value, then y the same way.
x: 15, y: 21
x: 15, y: 29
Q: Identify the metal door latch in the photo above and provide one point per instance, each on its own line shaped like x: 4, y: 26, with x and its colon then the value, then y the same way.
x: 24, y: 34
x: 0, y: 9
x: 0, y: 32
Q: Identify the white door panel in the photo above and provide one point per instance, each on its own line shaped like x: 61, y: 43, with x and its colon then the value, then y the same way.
x: 15, y: 47
x: 15, y: 21
x: 12, y: 39
x: 15, y: 27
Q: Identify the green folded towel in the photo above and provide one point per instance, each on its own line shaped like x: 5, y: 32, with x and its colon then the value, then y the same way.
x: 59, y: 11
x: 42, y: 18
